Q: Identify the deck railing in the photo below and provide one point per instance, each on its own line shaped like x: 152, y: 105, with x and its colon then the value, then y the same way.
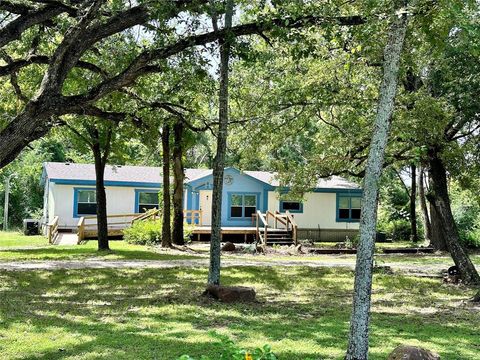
x: 87, y: 225
x: 193, y: 217
x: 275, y: 220
x: 52, y: 230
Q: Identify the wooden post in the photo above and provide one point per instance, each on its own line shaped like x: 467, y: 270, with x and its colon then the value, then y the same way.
x: 258, y: 230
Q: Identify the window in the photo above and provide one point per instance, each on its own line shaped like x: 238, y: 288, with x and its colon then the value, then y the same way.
x: 291, y: 206
x: 86, y: 202
x: 146, y: 200
x: 243, y: 206
x: 348, y: 207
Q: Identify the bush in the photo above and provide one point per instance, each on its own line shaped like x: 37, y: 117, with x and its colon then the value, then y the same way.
x: 229, y: 351
x: 148, y: 232
x: 397, y: 230
x: 466, y: 211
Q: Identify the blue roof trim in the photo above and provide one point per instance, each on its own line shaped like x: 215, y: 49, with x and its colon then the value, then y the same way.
x: 107, y: 183
x: 201, y: 180
x: 337, y: 190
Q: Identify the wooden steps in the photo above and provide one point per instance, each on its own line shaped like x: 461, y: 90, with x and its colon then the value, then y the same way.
x: 274, y: 228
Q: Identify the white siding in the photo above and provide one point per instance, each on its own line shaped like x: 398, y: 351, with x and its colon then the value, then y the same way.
x: 120, y: 200
x: 51, y: 202
x: 319, y: 211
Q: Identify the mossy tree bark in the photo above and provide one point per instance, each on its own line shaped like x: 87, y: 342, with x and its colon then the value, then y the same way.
x: 358, y: 339
x: 427, y: 227
x: 413, y: 203
x: 219, y: 161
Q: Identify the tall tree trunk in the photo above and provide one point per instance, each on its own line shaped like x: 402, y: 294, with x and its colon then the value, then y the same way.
x: 427, y: 227
x: 358, y: 339
x: 437, y: 237
x: 166, y: 215
x: 219, y: 161
x: 178, y: 178
x: 413, y: 204
x: 441, y: 202
x: 102, y: 221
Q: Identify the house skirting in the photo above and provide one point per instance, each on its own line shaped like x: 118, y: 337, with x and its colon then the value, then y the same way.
x: 326, y: 235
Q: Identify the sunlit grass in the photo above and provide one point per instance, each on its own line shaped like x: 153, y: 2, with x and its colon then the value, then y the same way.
x: 120, y: 250
x: 159, y: 314
x: 17, y: 239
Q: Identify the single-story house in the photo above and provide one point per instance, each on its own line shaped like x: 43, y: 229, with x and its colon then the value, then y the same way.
x: 330, y: 211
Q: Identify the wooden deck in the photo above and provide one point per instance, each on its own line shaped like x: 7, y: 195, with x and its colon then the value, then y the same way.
x: 226, y: 230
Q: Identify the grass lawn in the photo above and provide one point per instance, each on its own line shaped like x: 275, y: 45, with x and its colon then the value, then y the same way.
x: 158, y: 314
x: 119, y: 250
x: 17, y: 239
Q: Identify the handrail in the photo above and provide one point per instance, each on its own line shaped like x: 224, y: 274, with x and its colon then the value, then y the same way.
x: 294, y: 226
x: 280, y: 218
x: 52, y: 230
x: 260, y: 215
x: 91, y: 217
x: 81, y: 230
x: 152, y: 213
x: 193, y: 215
x: 264, y: 220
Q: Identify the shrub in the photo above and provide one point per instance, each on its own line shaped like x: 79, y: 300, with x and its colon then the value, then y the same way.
x: 229, y: 351
x: 397, y: 230
x: 146, y: 232
x: 187, y: 232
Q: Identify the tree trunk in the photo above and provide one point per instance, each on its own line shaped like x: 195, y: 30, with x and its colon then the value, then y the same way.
x: 358, y: 339
x: 413, y: 204
x: 441, y: 202
x: 102, y: 221
x: 437, y: 236
x: 427, y: 227
x: 166, y: 215
x: 219, y: 161
x: 178, y: 178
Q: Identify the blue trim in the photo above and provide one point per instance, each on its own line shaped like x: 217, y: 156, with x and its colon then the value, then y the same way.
x: 107, y: 183
x: 292, y: 211
x: 75, y: 201
x: 136, y: 209
x: 265, y: 200
x: 243, y: 193
x: 350, y: 195
x: 201, y: 180
x: 338, y: 190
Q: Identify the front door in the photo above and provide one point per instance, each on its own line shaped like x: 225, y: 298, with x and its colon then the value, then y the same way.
x: 206, y: 207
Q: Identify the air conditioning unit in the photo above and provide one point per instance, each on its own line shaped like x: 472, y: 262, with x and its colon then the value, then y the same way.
x: 31, y: 226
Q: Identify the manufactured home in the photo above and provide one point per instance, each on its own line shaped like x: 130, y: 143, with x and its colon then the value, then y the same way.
x: 329, y: 212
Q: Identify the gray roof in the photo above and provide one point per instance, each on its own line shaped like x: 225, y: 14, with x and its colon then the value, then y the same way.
x: 146, y: 174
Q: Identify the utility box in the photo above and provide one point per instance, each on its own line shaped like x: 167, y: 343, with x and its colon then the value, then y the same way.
x: 31, y: 226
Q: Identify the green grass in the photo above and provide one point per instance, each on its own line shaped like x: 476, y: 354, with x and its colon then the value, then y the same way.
x: 159, y: 314
x: 17, y: 239
x: 120, y: 250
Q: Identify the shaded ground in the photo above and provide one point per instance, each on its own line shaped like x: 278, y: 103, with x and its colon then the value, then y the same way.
x: 137, y: 302
x: 302, y: 313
